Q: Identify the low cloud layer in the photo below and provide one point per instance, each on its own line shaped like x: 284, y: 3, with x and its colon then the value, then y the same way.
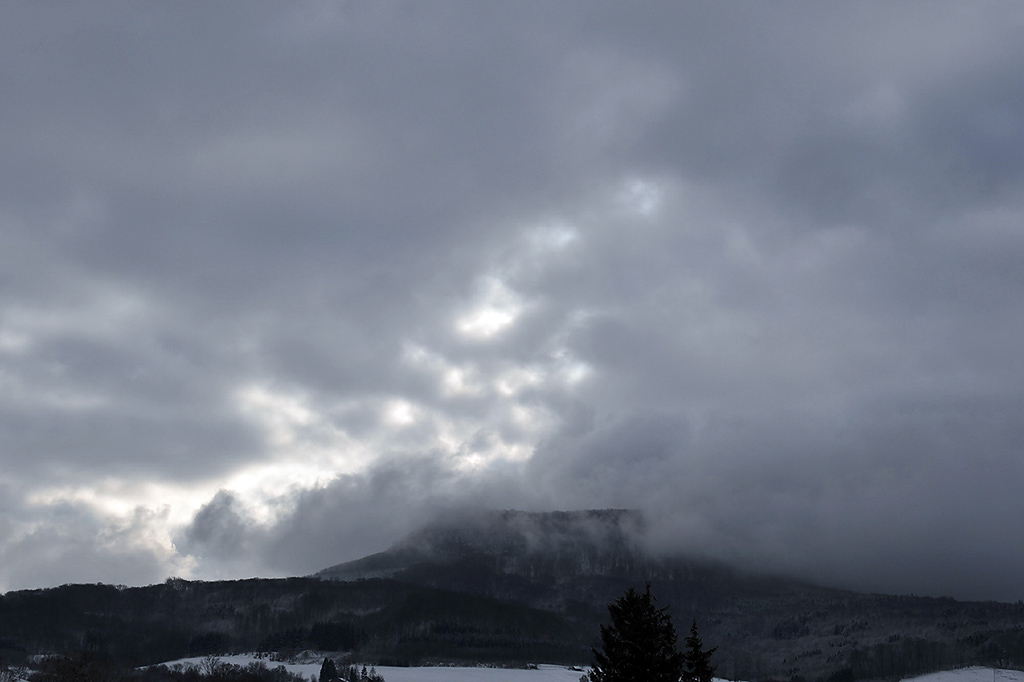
x: 277, y: 284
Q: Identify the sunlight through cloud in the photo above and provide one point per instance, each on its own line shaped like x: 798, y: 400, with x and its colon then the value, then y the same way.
x: 304, y: 446
x: 515, y: 380
x: 497, y: 309
x: 399, y: 413
x: 454, y: 380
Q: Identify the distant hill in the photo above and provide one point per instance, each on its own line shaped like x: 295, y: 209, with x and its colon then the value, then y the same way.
x: 574, y: 543
x: 574, y: 563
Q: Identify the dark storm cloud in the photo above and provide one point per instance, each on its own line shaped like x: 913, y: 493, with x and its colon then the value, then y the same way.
x: 279, y: 283
x: 903, y: 498
x: 218, y: 527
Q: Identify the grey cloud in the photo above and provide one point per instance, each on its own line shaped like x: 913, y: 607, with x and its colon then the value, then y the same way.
x: 218, y: 531
x: 43, y: 545
x: 810, y: 326
x: 906, y: 500
x: 350, y: 517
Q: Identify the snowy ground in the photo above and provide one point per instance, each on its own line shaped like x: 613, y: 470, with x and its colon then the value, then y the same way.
x: 543, y: 673
x: 555, y: 673
x: 973, y: 675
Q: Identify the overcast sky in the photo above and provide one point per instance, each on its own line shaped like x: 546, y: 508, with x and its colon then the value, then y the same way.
x: 280, y: 280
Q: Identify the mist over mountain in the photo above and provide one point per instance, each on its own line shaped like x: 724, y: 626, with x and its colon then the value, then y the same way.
x: 553, y: 544
x: 574, y: 563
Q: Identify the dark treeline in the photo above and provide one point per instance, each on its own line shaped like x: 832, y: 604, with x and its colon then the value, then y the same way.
x: 844, y: 637
x: 381, y: 621
x: 908, y: 657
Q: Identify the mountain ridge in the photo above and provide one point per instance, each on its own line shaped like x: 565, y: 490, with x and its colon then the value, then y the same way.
x: 545, y: 548
x: 574, y: 563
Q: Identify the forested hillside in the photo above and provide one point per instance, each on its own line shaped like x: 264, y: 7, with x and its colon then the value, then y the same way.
x: 384, y: 621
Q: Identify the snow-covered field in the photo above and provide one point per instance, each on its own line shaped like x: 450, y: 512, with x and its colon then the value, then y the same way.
x: 974, y: 675
x: 555, y: 673
x: 543, y: 673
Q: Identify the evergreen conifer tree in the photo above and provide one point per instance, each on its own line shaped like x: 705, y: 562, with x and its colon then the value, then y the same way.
x: 640, y: 643
x: 697, y: 662
x: 328, y: 671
